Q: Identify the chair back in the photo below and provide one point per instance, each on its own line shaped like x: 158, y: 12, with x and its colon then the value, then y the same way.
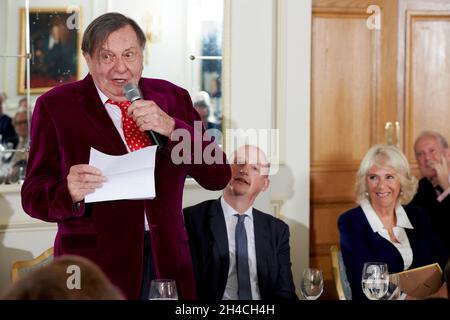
x: 19, y: 268
x: 340, y: 277
x: 447, y: 276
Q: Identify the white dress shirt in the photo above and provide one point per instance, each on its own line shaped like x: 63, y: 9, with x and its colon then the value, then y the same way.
x: 231, y: 288
x: 115, y: 114
x: 403, y: 246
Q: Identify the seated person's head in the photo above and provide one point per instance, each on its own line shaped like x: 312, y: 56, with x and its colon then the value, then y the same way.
x: 384, y: 162
x: 23, y: 103
x: 203, y: 110
x: 20, y: 123
x: 2, y: 99
x: 249, y: 172
x: 430, y: 148
x: 67, y: 277
x: 202, y: 105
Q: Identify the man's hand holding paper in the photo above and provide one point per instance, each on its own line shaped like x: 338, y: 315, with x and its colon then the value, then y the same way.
x: 130, y: 176
x: 82, y: 180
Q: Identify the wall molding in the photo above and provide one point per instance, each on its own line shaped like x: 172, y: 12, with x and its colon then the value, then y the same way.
x: 34, y: 226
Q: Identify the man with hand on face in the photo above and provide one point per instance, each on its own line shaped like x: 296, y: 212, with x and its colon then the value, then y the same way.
x: 433, y: 158
x: 239, y: 252
x: 133, y: 241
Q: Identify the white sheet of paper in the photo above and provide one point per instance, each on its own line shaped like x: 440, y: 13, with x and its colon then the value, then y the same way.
x: 130, y: 176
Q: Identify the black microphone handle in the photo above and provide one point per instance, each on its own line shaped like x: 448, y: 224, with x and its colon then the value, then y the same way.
x: 155, y: 137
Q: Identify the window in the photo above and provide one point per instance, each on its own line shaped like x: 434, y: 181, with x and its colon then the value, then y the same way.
x: 205, y: 34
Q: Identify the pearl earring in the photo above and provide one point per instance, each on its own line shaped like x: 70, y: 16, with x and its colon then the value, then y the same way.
x: 366, y: 193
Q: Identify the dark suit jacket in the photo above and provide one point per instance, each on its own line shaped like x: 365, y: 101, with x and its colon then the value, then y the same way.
x: 69, y: 120
x: 7, y: 131
x: 439, y: 212
x: 208, y: 241
x: 359, y: 244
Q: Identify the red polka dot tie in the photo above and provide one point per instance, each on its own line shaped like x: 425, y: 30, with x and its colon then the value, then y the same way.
x: 133, y: 136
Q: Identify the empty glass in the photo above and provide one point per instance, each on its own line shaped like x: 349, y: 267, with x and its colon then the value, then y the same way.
x: 311, y: 284
x: 6, y: 155
x: 375, y: 280
x: 163, y: 289
x: 5, y: 172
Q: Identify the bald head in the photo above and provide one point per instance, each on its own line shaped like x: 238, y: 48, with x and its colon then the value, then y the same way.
x: 252, y: 155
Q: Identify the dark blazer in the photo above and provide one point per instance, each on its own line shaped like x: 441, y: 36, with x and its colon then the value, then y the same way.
x: 208, y: 241
x: 7, y: 131
x: 69, y: 120
x: 439, y: 212
x: 359, y: 244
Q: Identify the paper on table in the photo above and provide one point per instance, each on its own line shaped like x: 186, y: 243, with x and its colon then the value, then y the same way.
x: 130, y: 176
x: 421, y: 282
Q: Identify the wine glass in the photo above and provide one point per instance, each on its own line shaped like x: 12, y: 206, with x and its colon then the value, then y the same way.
x: 5, y: 172
x: 375, y: 280
x: 311, y: 285
x: 163, y: 289
x: 5, y: 151
x: 394, y: 290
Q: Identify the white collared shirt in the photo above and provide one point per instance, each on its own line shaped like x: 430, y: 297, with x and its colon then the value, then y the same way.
x: 115, y: 114
x: 403, y: 246
x: 231, y: 288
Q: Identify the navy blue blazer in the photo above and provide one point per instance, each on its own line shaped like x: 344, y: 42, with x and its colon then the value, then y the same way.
x: 208, y: 242
x: 359, y: 244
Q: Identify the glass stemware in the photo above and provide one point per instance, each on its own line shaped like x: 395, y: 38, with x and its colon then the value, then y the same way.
x: 311, y: 284
x: 375, y: 280
x: 394, y: 291
x: 163, y: 289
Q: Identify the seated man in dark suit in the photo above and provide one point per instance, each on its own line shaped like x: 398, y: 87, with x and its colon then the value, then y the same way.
x: 433, y: 158
x: 8, y: 135
x: 239, y: 252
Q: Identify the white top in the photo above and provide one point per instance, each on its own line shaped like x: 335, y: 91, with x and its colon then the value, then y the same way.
x: 231, y: 288
x: 403, y: 246
x: 115, y: 114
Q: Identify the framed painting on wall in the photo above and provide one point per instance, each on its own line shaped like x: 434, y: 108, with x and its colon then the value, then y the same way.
x: 54, y: 46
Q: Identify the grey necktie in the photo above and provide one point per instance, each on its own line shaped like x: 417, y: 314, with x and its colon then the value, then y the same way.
x: 242, y: 270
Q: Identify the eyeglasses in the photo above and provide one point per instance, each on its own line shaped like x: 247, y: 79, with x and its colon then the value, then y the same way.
x: 107, y: 57
x: 20, y: 123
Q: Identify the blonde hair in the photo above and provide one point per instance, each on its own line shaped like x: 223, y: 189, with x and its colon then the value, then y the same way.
x: 386, y: 157
x: 50, y: 282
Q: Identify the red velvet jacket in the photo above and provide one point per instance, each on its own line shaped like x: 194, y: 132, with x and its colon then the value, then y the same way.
x: 69, y: 120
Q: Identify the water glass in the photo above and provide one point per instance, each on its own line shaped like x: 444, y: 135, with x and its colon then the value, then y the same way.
x: 311, y: 284
x: 163, y: 289
x: 394, y: 290
x: 375, y: 280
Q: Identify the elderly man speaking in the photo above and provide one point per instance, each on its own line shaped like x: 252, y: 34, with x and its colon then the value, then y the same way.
x: 94, y: 112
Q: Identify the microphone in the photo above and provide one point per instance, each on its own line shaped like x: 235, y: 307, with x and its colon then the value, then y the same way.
x: 132, y: 93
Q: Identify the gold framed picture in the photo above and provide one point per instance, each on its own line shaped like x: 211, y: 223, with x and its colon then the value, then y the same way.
x: 54, y: 46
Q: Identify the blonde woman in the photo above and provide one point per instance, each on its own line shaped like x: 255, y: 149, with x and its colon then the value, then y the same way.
x: 382, y: 228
